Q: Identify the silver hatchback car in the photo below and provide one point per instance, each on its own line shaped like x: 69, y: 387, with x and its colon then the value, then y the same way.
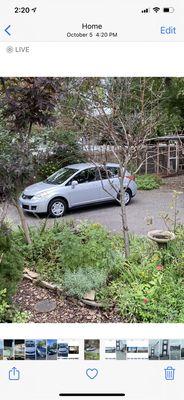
x: 74, y: 186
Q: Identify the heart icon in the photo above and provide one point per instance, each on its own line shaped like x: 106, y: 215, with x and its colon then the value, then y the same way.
x: 92, y: 373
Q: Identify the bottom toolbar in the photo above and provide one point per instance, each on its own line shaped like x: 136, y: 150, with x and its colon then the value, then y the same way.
x: 135, y: 380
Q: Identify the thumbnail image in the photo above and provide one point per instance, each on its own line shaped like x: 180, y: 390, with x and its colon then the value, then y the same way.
x: 92, y: 349
x: 74, y: 350
x: 63, y: 349
x: 19, y: 349
x: 137, y: 349
x: 30, y: 349
x: 182, y: 349
x: 110, y: 349
x: 51, y: 349
x: 121, y: 349
x: 8, y: 353
x: 97, y: 151
x: 1, y: 349
x: 41, y: 350
x: 68, y: 349
x: 164, y: 349
x: 175, y: 349
x: 154, y: 349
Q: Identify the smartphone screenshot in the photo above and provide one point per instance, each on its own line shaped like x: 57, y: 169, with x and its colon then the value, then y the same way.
x: 91, y: 200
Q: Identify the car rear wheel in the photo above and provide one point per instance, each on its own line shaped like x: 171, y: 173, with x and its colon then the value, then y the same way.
x: 57, y: 208
x: 128, y: 196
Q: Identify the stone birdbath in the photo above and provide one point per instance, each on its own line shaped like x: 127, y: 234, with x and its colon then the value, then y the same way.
x: 162, y: 238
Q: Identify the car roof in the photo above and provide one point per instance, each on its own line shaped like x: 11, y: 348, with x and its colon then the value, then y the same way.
x: 82, y: 166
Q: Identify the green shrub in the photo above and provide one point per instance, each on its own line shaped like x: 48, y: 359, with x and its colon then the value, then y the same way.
x: 11, y: 262
x: 20, y: 317
x: 159, y: 300
x: 77, y: 283
x: 150, y: 287
x: 148, y: 182
x: 4, y: 306
x: 8, y: 313
x: 91, y: 246
x: 67, y: 247
x: 66, y: 150
x: 48, y: 169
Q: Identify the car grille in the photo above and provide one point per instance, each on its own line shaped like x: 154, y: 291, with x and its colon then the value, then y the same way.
x: 25, y: 207
x: 26, y: 197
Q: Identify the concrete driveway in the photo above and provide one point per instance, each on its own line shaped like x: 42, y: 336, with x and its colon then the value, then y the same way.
x: 146, y: 205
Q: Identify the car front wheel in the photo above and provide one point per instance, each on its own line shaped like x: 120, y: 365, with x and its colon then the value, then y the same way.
x: 57, y: 208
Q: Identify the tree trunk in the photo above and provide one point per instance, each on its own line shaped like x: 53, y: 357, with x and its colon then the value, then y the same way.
x: 3, y: 214
x: 123, y: 213
x: 23, y: 222
x: 1, y: 257
x: 124, y: 223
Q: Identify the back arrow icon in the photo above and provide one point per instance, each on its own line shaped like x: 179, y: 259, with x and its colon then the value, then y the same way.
x: 7, y: 30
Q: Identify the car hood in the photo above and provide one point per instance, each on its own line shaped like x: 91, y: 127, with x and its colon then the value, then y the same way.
x: 38, y: 188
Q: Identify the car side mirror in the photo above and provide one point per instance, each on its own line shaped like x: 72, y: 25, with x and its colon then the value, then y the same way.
x: 74, y: 183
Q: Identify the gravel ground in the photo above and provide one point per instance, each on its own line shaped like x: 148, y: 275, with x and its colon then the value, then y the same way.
x: 147, y: 204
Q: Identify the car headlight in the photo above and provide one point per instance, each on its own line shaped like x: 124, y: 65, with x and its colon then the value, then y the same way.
x: 41, y: 195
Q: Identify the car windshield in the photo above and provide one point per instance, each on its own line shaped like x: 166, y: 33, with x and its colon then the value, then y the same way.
x: 61, y: 176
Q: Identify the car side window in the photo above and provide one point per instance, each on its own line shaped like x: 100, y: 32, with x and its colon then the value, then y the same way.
x: 114, y: 171
x: 88, y: 175
x: 81, y: 177
x: 91, y: 174
x: 104, y: 173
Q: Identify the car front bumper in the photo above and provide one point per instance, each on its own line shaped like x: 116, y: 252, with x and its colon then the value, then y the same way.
x: 34, y: 206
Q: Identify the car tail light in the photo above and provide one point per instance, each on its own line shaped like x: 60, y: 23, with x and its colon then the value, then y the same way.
x: 131, y: 177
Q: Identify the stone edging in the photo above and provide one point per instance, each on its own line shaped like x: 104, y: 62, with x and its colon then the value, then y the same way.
x: 35, y: 278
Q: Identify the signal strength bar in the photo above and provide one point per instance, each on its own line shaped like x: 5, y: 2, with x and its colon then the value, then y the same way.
x: 146, y: 11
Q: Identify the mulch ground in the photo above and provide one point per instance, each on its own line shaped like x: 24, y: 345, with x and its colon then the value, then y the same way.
x: 67, y: 310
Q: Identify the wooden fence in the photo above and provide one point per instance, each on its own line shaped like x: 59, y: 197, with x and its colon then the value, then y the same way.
x: 158, y: 158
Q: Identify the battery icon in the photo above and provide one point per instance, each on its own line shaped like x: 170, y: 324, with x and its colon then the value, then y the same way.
x: 168, y: 9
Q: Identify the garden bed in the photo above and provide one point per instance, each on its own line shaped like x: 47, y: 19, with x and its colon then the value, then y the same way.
x: 76, y: 259
x: 68, y: 310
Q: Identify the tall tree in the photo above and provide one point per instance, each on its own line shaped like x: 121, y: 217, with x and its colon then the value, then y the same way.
x: 123, y: 112
x: 24, y: 104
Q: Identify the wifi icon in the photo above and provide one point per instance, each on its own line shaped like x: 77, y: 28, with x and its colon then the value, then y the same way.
x: 156, y: 9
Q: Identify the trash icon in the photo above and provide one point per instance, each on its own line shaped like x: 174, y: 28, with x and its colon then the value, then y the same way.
x: 169, y: 373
